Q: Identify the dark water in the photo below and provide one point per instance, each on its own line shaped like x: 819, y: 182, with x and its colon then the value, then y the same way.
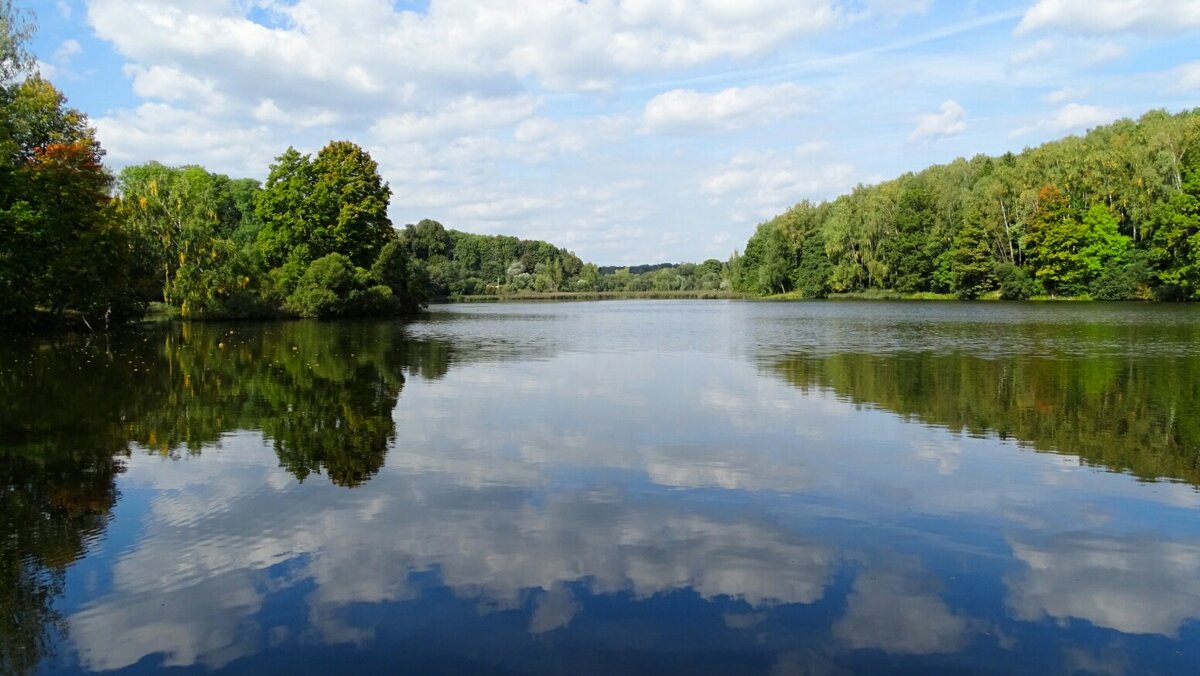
x: 619, y: 487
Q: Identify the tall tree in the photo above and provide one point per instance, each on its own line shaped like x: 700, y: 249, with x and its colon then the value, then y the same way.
x: 335, y: 203
x: 1175, y: 238
x: 1055, y: 241
x: 59, y: 248
x: 971, y: 261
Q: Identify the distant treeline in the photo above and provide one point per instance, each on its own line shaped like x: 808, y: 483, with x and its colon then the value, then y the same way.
x: 1114, y: 214
x: 636, y: 269
x: 457, y: 264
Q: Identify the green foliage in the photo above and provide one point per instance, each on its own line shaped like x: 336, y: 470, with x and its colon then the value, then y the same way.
x: 912, y: 252
x: 196, y: 227
x: 403, y: 275
x: 463, y: 264
x: 1015, y: 283
x: 213, y: 239
x: 767, y: 262
x: 1055, y: 244
x: 1127, y: 279
x: 1104, y: 247
x: 60, y: 250
x: 971, y: 264
x: 1175, y: 238
x: 334, y: 203
x: 334, y: 287
x: 811, y: 276
x: 1090, y: 214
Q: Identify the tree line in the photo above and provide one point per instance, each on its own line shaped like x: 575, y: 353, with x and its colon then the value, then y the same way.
x: 457, y: 264
x: 1113, y: 214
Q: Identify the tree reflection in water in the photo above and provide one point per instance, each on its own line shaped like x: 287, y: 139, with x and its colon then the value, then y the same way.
x: 321, y: 394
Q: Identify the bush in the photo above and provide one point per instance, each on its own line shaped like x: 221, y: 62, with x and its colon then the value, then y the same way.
x: 1127, y: 281
x: 1015, y: 282
x: 333, y: 287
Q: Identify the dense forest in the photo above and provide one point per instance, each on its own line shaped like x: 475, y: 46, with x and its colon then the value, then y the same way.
x: 1114, y: 214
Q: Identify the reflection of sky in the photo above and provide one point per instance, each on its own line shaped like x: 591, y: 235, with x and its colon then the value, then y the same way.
x: 557, y: 493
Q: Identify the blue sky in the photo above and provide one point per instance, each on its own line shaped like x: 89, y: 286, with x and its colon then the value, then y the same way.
x: 629, y: 131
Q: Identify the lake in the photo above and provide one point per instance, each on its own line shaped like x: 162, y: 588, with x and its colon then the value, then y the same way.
x: 635, y: 487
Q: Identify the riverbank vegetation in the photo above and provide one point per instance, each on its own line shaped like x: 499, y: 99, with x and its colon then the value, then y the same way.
x: 1111, y: 215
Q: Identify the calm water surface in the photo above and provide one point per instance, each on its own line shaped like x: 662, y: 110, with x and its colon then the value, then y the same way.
x: 618, y: 487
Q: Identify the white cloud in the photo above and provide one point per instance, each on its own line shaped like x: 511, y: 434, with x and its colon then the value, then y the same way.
x: 1188, y: 76
x: 898, y: 7
x: 1071, y: 117
x: 762, y: 185
x: 64, y: 8
x: 1105, y: 52
x: 890, y: 611
x: 67, y: 50
x: 1063, y: 95
x: 687, y: 111
x: 469, y: 114
x: 1038, y: 51
x: 1113, y: 16
x: 178, y: 136
x: 541, y: 138
x: 952, y: 120
x: 366, y: 43
x: 1080, y: 116
x: 1135, y: 585
x: 47, y: 70
x: 174, y: 85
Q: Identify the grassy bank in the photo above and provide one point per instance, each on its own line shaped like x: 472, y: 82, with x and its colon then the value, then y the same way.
x: 882, y: 294
x: 603, y: 295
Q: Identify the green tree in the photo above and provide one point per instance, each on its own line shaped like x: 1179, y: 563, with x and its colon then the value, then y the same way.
x: 60, y: 250
x: 1015, y: 283
x: 402, y: 274
x: 1175, y: 239
x: 334, y: 287
x: 912, y: 252
x: 811, y: 277
x: 1104, y: 247
x: 334, y: 203
x: 197, y: 228
x: 1055, y: 242
x: 971, y: 261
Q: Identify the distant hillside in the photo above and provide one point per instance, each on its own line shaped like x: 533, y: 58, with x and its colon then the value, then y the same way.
x: 1114, y: 214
